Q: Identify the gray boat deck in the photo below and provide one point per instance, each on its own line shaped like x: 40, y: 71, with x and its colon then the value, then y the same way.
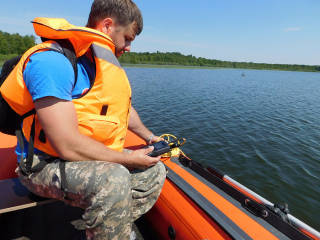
x: 26, y: 216
x: 52, y: 221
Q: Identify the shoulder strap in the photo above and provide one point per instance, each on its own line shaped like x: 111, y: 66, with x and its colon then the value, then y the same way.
x: 26, y: 167
x: 69, y: 52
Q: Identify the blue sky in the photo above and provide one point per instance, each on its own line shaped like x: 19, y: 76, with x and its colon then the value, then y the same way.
x: 263, y: 31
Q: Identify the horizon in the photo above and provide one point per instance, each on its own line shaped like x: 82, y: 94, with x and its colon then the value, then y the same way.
x: 273, y: 32
x: 224, y: 60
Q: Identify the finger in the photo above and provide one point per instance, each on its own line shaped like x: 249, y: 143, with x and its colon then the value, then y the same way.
x: 155, y: 160
x: 150, y: 149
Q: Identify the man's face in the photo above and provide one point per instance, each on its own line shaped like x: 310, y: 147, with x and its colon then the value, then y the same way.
x: 122, y: 38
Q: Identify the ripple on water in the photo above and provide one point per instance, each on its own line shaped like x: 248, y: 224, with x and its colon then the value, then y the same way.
x: 262, y: 130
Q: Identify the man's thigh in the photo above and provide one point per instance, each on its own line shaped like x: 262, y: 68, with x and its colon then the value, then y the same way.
x: 84, y: 180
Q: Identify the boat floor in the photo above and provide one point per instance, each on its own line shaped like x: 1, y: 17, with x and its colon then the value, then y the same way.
x: 53, y: 221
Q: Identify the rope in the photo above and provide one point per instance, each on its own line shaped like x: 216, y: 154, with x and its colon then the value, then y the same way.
x: 174, y: 151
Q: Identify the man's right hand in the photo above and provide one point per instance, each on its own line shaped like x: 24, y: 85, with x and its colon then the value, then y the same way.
x: 141, y: 160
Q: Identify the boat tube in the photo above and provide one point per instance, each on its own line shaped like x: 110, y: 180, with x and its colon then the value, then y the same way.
x: 204, y: 203
x: 201, y: 203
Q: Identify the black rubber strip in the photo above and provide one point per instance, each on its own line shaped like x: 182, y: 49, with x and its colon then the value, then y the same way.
x: 233, y: 230
x: 256, y: 208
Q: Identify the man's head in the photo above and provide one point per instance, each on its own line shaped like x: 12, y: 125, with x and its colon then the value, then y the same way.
x: 121, y: 20
x: 123, y: 13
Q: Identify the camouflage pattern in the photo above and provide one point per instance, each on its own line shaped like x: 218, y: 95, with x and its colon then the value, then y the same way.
x: 112, y: 196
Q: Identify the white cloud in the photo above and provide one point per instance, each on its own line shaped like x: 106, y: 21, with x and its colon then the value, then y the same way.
x: 292, y: 29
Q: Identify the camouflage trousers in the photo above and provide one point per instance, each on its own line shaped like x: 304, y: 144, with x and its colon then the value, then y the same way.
x: 112, y: 196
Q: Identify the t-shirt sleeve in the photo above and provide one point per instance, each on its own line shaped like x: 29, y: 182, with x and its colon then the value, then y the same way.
x: 51, y: 74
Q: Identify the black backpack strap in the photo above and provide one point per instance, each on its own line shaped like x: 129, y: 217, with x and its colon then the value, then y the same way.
x: 69, y: 52
x: 62, y: 167
x: 21, y: 143
x: 27, y: 168
x: 31, y: 145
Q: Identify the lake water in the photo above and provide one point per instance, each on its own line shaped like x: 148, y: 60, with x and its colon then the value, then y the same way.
x: 261, y: 129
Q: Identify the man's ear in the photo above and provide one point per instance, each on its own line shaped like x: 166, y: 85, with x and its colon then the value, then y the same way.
x: 107, y: 25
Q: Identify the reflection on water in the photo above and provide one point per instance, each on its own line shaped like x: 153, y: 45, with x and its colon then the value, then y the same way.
x: 262, y: 129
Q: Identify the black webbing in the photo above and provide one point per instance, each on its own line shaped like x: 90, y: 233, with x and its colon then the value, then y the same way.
x: 69, y: 52
x: 27, y: 167
x: 62, y: 167
x: 18, y: 132
x: 20, y: 141
x: 33, y: 111
x: 31, y: 145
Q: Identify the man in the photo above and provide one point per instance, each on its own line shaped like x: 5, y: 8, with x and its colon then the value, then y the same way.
x: 85, y: 122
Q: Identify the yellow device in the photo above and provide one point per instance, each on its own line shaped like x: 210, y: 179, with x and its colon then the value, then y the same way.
x: 174, y: 144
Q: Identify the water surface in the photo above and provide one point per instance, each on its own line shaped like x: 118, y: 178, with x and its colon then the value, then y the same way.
x: 262, y: 129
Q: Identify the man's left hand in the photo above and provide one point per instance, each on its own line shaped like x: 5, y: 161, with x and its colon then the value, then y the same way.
x: 155, y: 139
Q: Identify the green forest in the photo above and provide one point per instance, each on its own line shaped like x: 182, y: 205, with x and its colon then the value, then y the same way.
x: 176, y: 58
x: 13, y: 44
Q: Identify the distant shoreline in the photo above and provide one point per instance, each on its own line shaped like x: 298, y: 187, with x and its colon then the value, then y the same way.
x: 141, y: 65
x: 12, y: 47
x: 171, y: 66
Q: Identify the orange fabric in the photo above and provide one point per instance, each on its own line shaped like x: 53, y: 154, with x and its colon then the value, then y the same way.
x: 175, y: 208
x: 81, y: 37
x: 111, y: 87
x: 8, y: 158
x: 246, y: 223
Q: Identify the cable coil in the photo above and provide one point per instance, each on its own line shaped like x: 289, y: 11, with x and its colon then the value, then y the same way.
x: 174, y: 151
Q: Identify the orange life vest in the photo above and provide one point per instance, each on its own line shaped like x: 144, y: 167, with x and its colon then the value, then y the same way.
x: 103, y: 112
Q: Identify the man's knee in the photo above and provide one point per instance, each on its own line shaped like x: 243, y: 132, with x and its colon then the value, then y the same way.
x: 159, y: 171
x: 119, y: 175
x: 114, y: 176
x: 90, y: 178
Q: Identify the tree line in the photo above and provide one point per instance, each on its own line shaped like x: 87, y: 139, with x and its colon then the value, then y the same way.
x: 14, y: 44
x: 176, y: 58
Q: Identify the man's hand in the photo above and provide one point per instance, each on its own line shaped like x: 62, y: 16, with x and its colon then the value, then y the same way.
x: 141, y: 160
x: 155, y: 139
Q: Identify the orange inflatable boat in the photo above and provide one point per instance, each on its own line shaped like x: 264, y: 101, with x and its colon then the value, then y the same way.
x: 200, y: 203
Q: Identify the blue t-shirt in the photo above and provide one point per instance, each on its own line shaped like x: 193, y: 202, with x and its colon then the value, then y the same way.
x: 51, y: 74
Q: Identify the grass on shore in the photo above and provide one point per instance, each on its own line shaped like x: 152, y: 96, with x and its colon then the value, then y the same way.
x: 165, y: 66
x: 168, y: 66
x: 150, y: 66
